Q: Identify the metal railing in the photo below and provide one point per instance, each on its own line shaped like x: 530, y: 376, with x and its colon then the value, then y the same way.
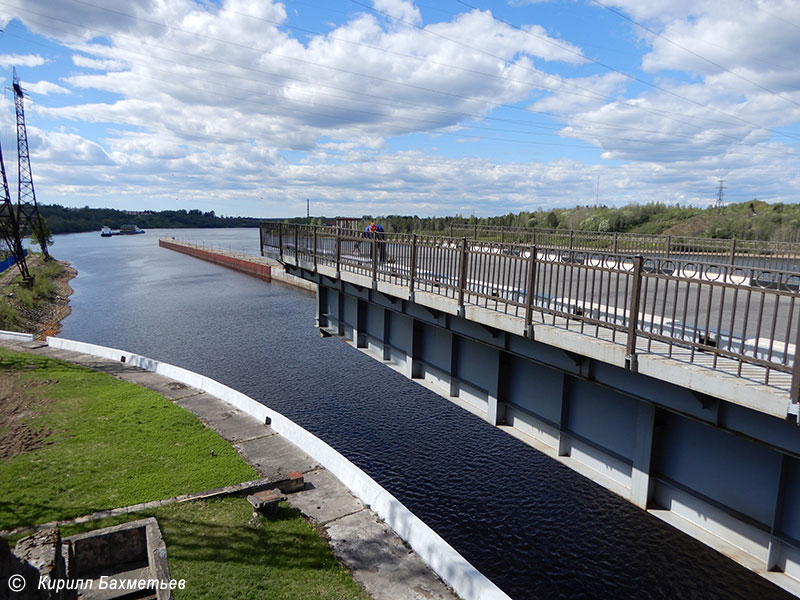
x: 740, y: 319
x: 784, y: 256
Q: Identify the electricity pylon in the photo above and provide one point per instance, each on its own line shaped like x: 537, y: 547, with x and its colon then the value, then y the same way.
x: 27, y: 209
x: 9, y: 226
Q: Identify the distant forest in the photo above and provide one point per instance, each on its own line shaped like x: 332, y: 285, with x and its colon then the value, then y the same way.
x: 73, y: 220
x: 754, y: 220
x: 745, y: 220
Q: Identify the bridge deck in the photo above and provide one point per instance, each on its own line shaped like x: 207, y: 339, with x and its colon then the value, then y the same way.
x: 740, y: 322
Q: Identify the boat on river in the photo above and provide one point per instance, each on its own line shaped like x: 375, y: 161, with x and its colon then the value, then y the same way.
x: 129, y: 229
x: 106, y: 231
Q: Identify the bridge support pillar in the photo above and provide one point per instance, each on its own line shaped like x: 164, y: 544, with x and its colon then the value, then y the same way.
x: 322, y: 307
x: 387, y: 349
x: 564, y: 443
x: 359, y: 333
x: 453, y: 366
x: 640, y: 474
x: 412, y: 359
x: 496, y: 413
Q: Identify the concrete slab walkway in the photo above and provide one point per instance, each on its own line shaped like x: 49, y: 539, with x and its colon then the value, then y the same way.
x: 378, y: 559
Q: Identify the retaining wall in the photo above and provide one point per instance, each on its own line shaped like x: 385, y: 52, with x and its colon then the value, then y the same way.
x: 250, y: 267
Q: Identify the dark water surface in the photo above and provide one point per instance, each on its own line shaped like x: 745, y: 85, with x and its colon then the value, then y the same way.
x: 536, y: 528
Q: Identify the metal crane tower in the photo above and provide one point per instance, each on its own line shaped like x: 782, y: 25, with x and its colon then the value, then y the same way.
x: 27, y: 209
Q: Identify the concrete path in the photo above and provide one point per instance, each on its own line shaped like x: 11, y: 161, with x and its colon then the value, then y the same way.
x: 378, y: 559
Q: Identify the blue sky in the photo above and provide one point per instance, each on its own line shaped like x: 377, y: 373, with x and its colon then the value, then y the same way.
x: 397, y: 107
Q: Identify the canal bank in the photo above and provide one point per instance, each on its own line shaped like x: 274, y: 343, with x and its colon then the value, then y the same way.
x: 358, y: 528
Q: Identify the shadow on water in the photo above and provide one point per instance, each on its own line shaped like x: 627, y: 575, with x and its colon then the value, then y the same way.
x: 536, y: 528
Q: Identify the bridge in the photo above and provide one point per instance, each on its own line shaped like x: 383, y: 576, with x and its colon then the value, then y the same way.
x: 664, y: 371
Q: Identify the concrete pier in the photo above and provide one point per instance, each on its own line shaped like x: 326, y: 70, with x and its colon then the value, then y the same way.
x: 252, y: 265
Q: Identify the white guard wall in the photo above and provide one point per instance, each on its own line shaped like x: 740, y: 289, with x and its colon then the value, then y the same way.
x: 454, y: 569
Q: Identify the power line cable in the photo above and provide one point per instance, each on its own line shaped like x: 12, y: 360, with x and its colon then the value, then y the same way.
x: 421, y: 88
x: 628, y: 75
x: 693, y: 53
x: 392, y: 101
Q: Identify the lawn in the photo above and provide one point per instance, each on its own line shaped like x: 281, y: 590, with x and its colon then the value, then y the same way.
x: 221, y: 552
x: 75, y: 441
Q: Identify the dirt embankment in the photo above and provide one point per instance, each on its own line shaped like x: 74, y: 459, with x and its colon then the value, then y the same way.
x: 43, y: 317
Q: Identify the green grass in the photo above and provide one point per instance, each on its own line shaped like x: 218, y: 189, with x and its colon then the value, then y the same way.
x: 221, y: 553
x: 36, y: 296
x: 110, y: 444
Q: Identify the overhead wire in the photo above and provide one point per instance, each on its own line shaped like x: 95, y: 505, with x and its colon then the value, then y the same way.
x: 389, y: 102
x: 238, y: 66
x: 619, y: 71
x: 404, y: 84
x: 693, y: 53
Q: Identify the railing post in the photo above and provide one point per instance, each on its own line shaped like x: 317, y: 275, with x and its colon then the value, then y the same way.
x: 733, y: 252
x: 462, y: 276
x: 280, y: 242
x: 374, y: 254
x: 297, y: 245
x: 314, y: 252
x: 475, y: 235
x: 338, y: 252
x: 616, y: 246
x: 530, y: 291
x: 571, y: 235
x: 669, y: 245
x: 502, y: 235
x: 413, y: 266
x: 633, y: 314
x: 794, y: 393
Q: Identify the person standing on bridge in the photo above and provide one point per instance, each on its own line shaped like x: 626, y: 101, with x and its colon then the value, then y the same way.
x: 374, y: 230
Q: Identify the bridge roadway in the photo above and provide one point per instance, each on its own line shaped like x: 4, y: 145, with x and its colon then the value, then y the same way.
x: 671, y: 383
x: 738, y: 321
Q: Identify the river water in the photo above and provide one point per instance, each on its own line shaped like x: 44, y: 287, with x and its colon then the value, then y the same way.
x: 532, y: 525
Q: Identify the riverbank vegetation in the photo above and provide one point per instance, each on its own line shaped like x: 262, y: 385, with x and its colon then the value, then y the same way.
x: 39, y: 308
x: 74, y: 441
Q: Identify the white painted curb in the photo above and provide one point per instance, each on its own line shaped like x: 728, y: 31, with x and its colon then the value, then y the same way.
x: 16, y: 336
x: 454, y: 569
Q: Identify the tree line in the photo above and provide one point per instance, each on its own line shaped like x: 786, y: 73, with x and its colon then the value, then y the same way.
x: 74, y: 220
x: 745, y: 220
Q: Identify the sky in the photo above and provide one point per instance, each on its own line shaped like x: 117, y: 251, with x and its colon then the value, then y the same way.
x: 378, y: 107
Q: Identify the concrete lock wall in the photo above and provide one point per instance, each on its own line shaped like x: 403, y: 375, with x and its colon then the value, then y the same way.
x: 250, y: 267
x: 454, y: 569
x: 726, y: 474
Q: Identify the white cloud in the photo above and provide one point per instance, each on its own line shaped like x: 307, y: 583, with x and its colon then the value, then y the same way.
x: 21, y: 60
x: 211, y: 103
x: 45, y: 88
x: 97, y: 65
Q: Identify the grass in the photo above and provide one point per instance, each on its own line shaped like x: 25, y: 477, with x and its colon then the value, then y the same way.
x: 28, y: 298
x: 221, y: 553
x: 109, y: 443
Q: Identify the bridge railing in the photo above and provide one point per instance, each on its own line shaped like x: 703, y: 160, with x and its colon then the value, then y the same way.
x: 743, y: 320
x: 759, y: 253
